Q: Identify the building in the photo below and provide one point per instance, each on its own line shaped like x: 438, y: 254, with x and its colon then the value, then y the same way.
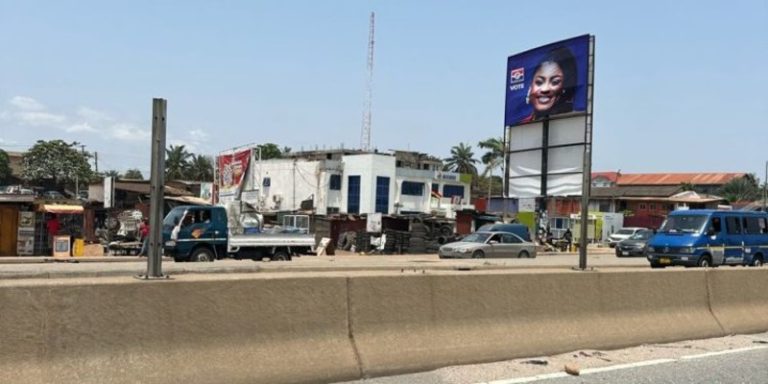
x: 354, y: 182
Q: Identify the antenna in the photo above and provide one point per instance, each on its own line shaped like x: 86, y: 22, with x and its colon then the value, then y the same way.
x: 365, y: 136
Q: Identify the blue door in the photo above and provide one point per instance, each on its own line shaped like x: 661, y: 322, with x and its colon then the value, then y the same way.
x: 716, y: 240
x: 734, y: 240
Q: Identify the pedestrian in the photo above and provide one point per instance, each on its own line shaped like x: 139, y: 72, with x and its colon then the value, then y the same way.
x: 52, y: 225
x: 144, y: 235
x: 568, y: 236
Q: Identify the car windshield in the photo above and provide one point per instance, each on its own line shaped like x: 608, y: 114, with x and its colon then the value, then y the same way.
x: 684, y: 224
x: 476, y: 237
x: 642, y: 235
x: 173, y: 218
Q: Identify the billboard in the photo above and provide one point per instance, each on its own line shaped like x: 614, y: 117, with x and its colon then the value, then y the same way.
x: 547, y: 81
x: 232, y: 167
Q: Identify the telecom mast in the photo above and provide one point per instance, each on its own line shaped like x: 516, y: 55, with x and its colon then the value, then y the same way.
x: 365, y: 137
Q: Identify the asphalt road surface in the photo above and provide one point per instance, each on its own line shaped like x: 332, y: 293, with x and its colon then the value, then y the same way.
x: 726, y: 360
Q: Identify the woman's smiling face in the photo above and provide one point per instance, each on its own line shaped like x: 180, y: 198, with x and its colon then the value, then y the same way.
x: 547, y: 86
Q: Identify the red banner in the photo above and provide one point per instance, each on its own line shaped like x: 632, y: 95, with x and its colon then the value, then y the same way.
x: 232, y: 169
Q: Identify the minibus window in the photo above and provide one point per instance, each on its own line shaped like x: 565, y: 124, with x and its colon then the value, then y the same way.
x: 752, y: 225
x: 716, y: 225
x: 733, y: 225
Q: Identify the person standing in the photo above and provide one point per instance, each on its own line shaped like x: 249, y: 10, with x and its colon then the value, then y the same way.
x: 144, y: 235
x: 568, y: 236
x: 52, y: 226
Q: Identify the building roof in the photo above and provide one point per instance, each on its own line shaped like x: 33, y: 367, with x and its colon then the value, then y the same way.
x: 677, y: 178
x: 635, y: 191
x: 143, y: 188
x: 611, y: 176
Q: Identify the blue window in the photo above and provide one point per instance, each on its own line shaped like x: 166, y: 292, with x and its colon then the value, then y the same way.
x: 353, y: 194
x: 335, y: 182
x: 382, y: 194
x: 266, y: 182
x: 453, y: 190
x: 412, y: 189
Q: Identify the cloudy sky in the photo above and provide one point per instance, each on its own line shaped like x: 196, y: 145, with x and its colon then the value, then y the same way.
x: 679, y: 88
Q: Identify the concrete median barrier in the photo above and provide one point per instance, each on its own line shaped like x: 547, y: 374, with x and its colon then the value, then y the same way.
x: 298, y: 328
x: 189, y: 330
x: 404, y: 324
x: 739, y: 299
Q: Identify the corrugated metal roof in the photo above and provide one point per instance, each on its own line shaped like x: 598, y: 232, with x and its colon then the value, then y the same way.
x: 143, y: 188
x: 635, y: 191
x: 677, y: 178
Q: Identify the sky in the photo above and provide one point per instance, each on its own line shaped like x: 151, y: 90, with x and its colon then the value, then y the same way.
x: 679, y: 86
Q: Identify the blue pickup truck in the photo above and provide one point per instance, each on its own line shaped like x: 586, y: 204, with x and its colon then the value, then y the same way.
x: 205, y: 233
x: 710, y: 238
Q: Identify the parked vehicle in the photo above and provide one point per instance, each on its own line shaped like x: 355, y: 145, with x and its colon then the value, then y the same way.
x: 486, y: 244
x: 622, y: 234
x: 518, y: 229
x: 203, y: 233
x: 53, y: 195
x: 635, y: 245
x: 709, y: 238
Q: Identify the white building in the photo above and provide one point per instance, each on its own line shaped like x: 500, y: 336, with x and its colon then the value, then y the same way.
x: 357, y: 183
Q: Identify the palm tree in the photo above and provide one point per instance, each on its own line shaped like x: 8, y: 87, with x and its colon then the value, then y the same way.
x: 492, y: 159
x: 741, y: 189
x: 134, y: 174
x: 176, y: 162
x: 462, y: 160
x: 200, y: 168
x: 112, y: 173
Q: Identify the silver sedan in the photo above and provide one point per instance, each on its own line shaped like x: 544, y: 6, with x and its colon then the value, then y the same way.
x: 480, y: 245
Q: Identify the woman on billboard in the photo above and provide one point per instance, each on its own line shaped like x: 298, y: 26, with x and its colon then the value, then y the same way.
x: 553, y: 85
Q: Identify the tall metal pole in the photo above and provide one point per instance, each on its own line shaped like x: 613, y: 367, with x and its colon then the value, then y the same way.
x: 157, y: 182
x: 586, y: 183
x: 765, y: 188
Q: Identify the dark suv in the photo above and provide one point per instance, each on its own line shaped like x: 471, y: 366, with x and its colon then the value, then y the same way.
x: 518, y: 229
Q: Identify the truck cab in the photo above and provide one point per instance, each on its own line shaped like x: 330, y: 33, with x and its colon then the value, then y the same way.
x: 195, y: 233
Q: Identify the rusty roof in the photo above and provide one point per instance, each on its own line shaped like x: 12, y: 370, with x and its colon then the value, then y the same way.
x: 635, y: 191
x: 677, y: 178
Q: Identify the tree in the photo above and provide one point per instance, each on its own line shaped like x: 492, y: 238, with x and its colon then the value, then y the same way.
x: 176, y: 162
x: 133, y: 174
x: 200, y: 168
x: 741, y: 189
x: 462, y: 160
x: 269, y: 151
x: 57, y: 162
x: 686, y: 186
x: 112, y: 173
x: 492, y: 159
x: 5, y: 166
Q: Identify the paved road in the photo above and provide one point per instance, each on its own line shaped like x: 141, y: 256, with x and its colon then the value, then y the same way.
x: 115, y: 266
x: 726, y: 360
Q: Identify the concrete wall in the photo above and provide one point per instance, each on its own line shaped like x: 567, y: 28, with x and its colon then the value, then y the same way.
x: 285, y: 328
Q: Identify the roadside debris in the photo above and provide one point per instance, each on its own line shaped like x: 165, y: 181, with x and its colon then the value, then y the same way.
x: 536, y: 362
x: 572, y: 369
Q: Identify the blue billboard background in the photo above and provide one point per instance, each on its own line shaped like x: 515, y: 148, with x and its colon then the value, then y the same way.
x: 547, y: 81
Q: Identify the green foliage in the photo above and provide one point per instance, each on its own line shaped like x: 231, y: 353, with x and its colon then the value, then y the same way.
x: 494, y: 158
x: 56, y: 161
x: 687, y: 186
x: 270, y: 151
x: 200, y: 168
x: 112, y: 173
x: 133, y: 174
x: 5, y: 166
x: 462, y: 160
x: 176, y: 162
x: 741, y: 189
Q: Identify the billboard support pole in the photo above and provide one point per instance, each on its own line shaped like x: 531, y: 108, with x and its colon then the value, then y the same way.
x: 505, y: 186
x: 544, y: 172
x: 586, y: 182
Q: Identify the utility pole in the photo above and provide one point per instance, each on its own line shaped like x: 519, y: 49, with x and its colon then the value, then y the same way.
x: 156, y: 190
x: 765, y: 188
x: 96, y: 161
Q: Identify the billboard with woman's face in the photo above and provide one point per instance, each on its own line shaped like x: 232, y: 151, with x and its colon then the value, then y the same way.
x: 547, y: 81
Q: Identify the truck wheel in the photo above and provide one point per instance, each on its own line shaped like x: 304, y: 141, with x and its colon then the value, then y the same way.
x: 202, y: 254
x: 280, y: 255
x: 757, y: 261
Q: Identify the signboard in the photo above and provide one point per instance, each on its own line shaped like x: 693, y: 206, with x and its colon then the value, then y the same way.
x: 61, y: 246
x: 206, y: 191
x: 109, y: 192
x: 547, y: 81
x: 232, y: 168
x: 25, y: 240
x: 374, y: 222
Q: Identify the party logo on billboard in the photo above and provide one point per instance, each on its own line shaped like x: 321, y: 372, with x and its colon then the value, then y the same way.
x: 232, y: 168
x: 516, y: 79
x: 547, y: 81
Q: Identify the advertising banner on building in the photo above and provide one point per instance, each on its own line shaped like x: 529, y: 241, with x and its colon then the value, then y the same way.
x: 547, y: 81
x: 206, y: 191
x: 232, y: 168
x: 25, y: 240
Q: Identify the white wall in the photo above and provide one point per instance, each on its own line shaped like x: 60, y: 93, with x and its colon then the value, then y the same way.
x: 368, y: 167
